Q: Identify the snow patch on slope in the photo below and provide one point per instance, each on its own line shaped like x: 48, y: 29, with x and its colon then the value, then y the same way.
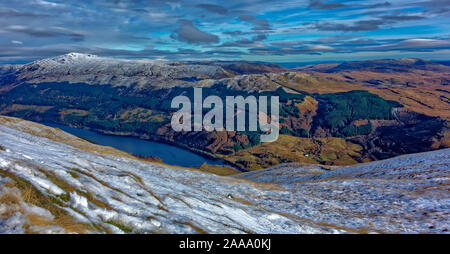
x: 124, y: 194
x: 91, y: 69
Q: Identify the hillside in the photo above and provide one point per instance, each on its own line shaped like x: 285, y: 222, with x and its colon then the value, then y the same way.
x: 420, y: 85
x: 76, y: 186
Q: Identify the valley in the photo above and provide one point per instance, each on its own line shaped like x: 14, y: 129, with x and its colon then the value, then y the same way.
x: 329, y: 114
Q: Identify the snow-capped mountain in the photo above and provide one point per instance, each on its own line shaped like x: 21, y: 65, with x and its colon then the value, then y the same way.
x: 92, y: 69
x: 53, y: 182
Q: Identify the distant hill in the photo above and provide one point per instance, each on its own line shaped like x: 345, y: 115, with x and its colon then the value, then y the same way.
x: 382, y: 65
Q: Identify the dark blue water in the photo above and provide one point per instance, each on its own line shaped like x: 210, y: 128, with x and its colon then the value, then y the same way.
x: 171, y: 155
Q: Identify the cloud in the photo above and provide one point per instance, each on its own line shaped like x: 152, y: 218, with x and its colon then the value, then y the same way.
x: 6, y: 13
x: 362, y: 25
x: 213, y: 8
x: 336, y: 38
x: 296, y: 50
x: 321, y: 5
x: 44, y: 32
x: 258, y: 24
x: 49, y: 4
x: 187, y: 32
x: 418, y: 44
x: 432, y: 3
x: 259, y: 37
x: 438, y: 7
x: 365, y: 25
x: 234, y: 33
x: 378, y: 5
x: 399, y: 17
x: 245, y: 42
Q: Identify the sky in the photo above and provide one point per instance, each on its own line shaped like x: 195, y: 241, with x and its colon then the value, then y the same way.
x: 250, y: 30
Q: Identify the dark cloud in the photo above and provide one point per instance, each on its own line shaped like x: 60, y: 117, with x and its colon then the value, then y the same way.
x: 213, y: 8
x: 365, y: 25
x: 235, y: 33
x: 379, y: 5
x: 258, y: 24
x: 440, y: 11
x: 259, y: 37
x: 44, y: 32
x: 187, y: 32
x: 140, y: 10
x: 322, y: 5
x: 362, y: 25
x: 7, y: 13
x: 245, y: 42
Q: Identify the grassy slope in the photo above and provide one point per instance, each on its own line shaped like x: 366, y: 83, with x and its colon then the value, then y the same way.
x: 331, y: 151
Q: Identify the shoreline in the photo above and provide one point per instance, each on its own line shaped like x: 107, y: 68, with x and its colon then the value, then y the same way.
x: 156, y: 139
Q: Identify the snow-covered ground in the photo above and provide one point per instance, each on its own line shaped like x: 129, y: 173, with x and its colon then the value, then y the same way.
x: 108, y: 191
x: 409, y: 193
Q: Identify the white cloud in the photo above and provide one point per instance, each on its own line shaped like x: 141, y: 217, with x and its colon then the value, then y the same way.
x: 413, y: 44
x: 425, y: 43
x: 48, y: 4
x: 321, y: 48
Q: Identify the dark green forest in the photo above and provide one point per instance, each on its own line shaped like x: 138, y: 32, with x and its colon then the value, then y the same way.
x: 338, y: 110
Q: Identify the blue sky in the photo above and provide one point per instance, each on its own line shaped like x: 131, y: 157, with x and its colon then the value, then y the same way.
x: 255, y: 30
